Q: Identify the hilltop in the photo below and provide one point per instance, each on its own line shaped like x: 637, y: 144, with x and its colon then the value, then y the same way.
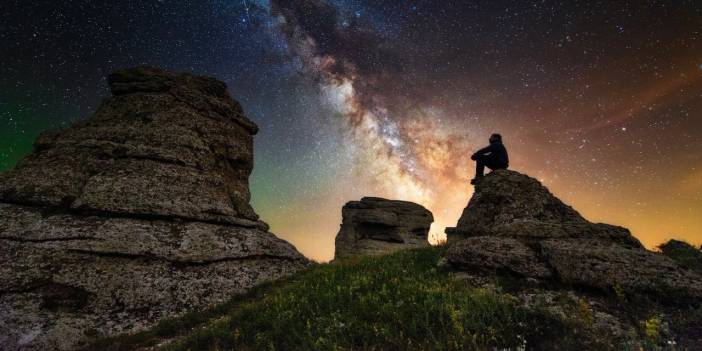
x: 521, y: 270
x: 404, y: 301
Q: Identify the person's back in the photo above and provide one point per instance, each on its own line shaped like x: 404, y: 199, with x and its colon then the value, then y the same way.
x: 493, y: 156
x: 501, y: 157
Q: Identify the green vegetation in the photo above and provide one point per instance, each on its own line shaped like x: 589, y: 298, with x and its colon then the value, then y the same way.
x: 683, y: 253
x: 394, y: 302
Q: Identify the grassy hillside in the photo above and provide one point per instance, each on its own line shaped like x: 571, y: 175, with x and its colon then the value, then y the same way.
x: 396, y: 302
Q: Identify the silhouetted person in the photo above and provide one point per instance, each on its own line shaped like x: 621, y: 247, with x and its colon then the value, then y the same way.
x: 493, y: 156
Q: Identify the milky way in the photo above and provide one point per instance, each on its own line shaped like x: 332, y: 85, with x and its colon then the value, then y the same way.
x: 403, y: 148
x: 602, y: 102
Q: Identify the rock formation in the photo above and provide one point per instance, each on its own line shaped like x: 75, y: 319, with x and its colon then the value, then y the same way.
x: 376, y: 226
x: 134, y: 214
x: 513, y: 224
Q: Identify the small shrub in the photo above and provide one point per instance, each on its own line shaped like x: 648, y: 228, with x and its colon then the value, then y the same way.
x: 652, y: 328
x: 584, y: 312
x: 619, y: 293
x: 683, y: 254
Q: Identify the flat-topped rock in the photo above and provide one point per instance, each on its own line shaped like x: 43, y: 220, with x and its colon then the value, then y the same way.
x: 173, y: 145
x: 376, y: 226
x: 137, y: 213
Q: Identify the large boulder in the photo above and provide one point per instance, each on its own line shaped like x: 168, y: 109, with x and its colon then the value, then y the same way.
x: 514, y: 224
x: 137, y: 213
x: 376, y: 226
x: 165, y: 144
x: 508, y: 203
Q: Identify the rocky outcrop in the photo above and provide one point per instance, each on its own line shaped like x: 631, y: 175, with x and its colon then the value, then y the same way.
x: 508, y: 203
x: 514, y: 224
x: 137, y: 213
x: 170, y: 145
x: 376, y: 226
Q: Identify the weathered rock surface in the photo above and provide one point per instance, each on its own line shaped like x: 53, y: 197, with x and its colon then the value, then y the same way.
x: 508, y: 203
x: 514, y: 224
x: 165, y: 144
x: 596, y: 263
x: 137, y: 213
x: 499, y: 255
x: 376, y: 226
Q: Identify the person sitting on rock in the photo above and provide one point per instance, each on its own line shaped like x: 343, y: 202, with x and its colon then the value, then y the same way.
x: 494, y: 156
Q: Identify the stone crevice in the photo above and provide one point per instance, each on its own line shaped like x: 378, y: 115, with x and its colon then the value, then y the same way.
x: 181, y: 262
x: 84, y: 212
x: 50, y: 239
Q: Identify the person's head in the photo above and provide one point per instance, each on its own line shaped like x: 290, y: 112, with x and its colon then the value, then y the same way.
x: 495, y: 138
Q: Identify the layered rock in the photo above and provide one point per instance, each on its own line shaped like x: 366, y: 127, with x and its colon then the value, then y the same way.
x: 514, y: 224
x: 375, y: 226
x: 596, y: 263
x: 164, y: 144
x: 134, y: 214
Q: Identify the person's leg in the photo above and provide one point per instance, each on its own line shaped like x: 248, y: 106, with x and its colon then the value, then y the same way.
x: 479, y: 167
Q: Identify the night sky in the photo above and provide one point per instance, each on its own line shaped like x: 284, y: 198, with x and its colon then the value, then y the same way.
x: 601, y: 101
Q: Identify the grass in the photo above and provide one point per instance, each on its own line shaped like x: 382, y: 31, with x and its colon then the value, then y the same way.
x: 394, y: 302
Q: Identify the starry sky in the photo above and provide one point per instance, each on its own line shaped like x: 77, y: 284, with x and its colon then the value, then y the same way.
x: 601, y: 101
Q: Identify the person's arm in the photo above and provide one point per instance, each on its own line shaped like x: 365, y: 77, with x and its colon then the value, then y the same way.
x: 482, y: 151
